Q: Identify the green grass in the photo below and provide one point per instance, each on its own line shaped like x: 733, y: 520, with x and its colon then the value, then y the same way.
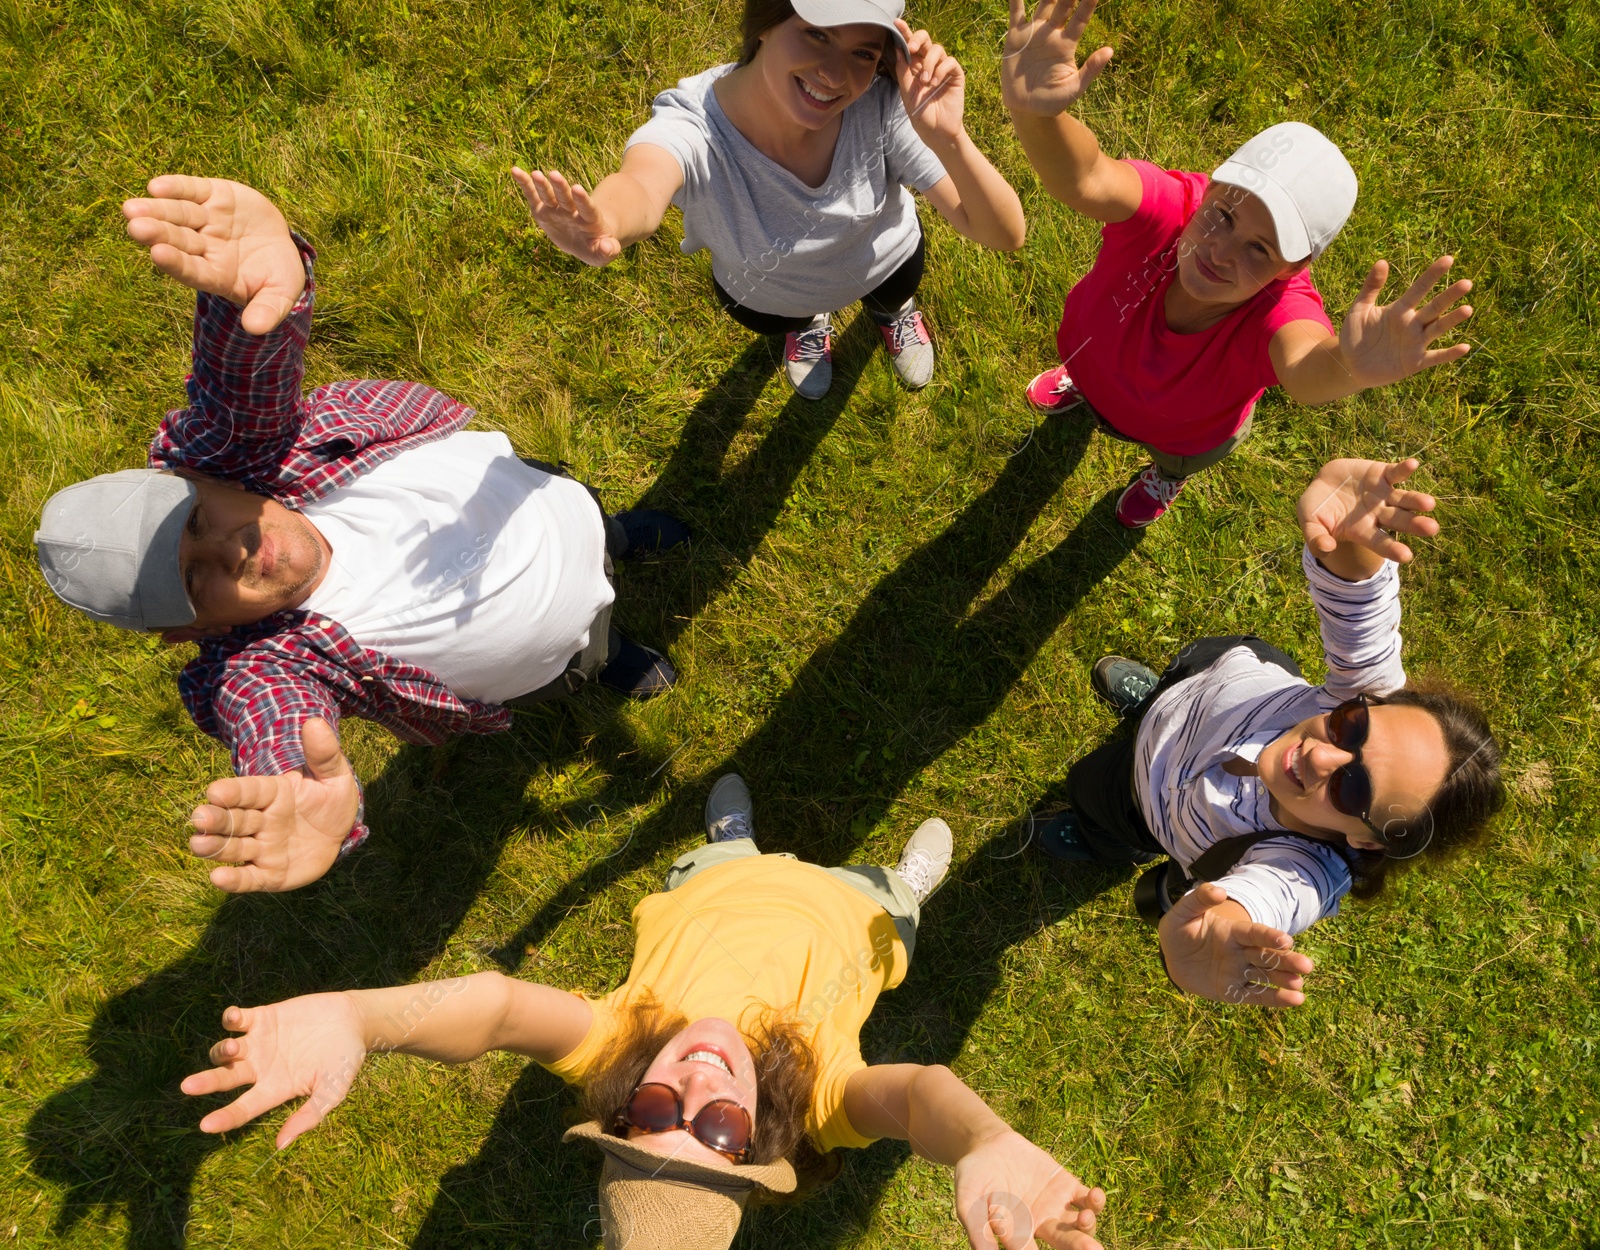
x: 889, y: 613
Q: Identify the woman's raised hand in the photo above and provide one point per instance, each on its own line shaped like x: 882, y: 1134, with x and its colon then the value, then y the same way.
x: 1384, y: 343
x: 932, y: 86
x: 565, y: 212
x: 1012, y: 1194
x: 1359, y: 502
x: 1039, y: 70
x: 309, y: 1047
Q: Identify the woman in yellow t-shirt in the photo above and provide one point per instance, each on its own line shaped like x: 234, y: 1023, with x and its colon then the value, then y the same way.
x: 726, y: 1067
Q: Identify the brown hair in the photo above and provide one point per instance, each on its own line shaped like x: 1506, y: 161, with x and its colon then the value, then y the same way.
x: 786, y: 1074
x: 760, y: 16
x: 1472, y: 790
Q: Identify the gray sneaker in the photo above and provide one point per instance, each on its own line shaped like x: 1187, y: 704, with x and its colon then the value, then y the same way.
x: 808, y: 358
x: 730, y: 813
x: 926, y: 859
x: 909, y: 345
x: 1122, y: 682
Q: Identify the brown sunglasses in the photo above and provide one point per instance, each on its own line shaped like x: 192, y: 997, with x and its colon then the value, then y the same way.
x: 721, y: 1124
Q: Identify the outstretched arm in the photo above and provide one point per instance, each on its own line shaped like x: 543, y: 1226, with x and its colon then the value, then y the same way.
x: 624, y: 208
x: 312, y: 1047
x: 972, y: 197
x: 1377, y: 344
x: 251, y: 324
x: 1040, y: 79
x: 1009, y: 1192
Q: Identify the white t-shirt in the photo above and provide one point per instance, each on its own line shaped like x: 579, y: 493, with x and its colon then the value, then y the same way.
x: 459, y: 558
x: 777, y: 245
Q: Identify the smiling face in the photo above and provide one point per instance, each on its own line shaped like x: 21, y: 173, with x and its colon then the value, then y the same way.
x: 706, y: 1061
x: 1405, y: 754
x: 813, y: 73
x: 1229, y: 250
x: 243, y: 557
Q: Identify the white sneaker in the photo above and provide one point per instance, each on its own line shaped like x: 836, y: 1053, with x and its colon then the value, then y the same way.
x: 808, y: 358
x: 730, y: 812
x: 926, y: 859
x: 909, y: 345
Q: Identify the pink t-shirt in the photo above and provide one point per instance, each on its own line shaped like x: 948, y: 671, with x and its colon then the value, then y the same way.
x: 1180, y: 393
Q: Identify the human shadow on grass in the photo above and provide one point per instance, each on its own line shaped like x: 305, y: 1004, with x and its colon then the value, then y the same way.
x: 125, y: 1137
x: 526, y: 1189
x: 913, y: 672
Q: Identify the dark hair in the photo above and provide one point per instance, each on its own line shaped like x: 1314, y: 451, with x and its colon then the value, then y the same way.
x: 1472, y: 790
x: 786, y: 1074
x: 760, y: 16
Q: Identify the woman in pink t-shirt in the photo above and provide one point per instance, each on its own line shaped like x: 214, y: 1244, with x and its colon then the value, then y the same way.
x: 1200, y: 297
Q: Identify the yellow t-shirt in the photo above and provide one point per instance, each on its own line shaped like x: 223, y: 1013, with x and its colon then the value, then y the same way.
x: 759, y: 933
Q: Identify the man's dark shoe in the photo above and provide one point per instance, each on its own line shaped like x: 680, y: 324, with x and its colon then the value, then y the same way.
x: 638, y: 672
x: 1122, y: 682
x: 1060, y: 836
x: 650, y: 532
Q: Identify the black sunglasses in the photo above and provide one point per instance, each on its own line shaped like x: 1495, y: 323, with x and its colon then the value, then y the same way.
x: 721, y: 1124
x: 1350, y: 785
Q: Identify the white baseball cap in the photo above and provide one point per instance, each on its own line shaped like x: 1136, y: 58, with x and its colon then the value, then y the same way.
x: 1302, y: 178
x: 847, y: 12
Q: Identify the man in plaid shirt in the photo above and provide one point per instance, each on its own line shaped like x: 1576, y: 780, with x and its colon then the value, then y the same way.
x: 351, y: 552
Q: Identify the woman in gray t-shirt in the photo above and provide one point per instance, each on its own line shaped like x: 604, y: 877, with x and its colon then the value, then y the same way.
x: 791, y: 167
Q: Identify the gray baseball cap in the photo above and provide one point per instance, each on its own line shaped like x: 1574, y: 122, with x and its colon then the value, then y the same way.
x: 109, y: 547
x: 850, y: 12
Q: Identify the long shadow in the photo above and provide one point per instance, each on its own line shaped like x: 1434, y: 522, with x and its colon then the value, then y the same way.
x: 125, y: 1137
x: 525, y: 1189
x: 910, y: 675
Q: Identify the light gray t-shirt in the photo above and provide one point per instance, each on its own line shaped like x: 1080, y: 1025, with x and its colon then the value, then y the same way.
x: 777, y: 245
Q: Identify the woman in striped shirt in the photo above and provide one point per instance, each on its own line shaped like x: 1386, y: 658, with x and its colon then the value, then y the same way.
x: 1276, y: 796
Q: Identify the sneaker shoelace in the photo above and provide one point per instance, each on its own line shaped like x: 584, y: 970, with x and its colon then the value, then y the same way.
x: 1163, y: 488
x: 811, y: 343
x: 919, y: 871
x: 904, y: 332
x: 731, y: 826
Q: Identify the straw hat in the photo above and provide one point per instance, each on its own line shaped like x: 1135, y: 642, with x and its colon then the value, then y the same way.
x: 650, y: 1201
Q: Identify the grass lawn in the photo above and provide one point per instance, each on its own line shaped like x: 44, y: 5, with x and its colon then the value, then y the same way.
x: 889, y: 612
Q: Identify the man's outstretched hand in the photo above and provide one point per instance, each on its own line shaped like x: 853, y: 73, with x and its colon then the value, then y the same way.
x: 1214, y: 949
x: 223, y: 238
x: 281, y: 832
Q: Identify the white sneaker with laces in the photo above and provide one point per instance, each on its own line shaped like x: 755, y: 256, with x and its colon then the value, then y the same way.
x: 909, y: 345
x: 926, y: 860
x: 808, y: 358
x: 730, y: 812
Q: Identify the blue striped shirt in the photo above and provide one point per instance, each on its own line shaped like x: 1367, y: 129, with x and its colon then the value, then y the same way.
x: 1231, y: 711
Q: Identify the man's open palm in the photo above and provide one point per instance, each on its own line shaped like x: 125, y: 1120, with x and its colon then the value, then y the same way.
x: 284, y: 831
x: 223, y: 238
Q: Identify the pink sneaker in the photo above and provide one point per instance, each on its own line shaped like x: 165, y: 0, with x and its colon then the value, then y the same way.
x: 1052, y: 391
x: 1147, y: 498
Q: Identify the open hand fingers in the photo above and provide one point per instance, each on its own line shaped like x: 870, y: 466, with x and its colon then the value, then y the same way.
x: 1425, y: 282
x: 1245, y: 993
x: 1448, y: 322
x: 185, y: 214
x: 246, y: 879
x: 1090, y: 69
x: 193, y: 271
x: 1376, y: 277
x: 257, y: 793
x: 310, y: 1114
x: 1437, y: 305
x: 1444, y: 355
x: 240, y: 1111
x: 1078, y: 18
x: 180, y: 187
x: 216, y: 1080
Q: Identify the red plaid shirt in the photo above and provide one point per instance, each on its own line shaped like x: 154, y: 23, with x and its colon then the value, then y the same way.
x: 247, y: 422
